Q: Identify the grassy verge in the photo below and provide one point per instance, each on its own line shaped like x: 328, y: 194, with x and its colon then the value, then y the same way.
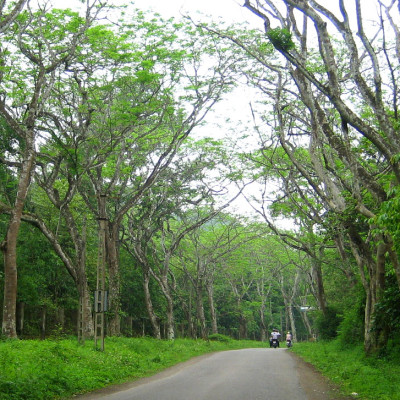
x: 366, y: 378
x: 48, y: 369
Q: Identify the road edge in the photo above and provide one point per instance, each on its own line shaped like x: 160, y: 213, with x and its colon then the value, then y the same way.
x: 133, y: 382
x: 315, y: 385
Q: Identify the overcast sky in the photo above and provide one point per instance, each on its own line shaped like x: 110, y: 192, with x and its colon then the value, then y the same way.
x: 228, y: 10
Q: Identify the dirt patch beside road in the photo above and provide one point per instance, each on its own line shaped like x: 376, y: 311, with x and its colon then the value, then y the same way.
x: 314, y: 384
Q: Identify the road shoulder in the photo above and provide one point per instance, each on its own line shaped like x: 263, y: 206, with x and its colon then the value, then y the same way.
x: 117, y: 387
x: 314, y: 384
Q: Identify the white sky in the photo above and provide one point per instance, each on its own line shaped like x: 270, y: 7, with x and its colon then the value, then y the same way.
x: 228, y: 10
x: 231, y: 10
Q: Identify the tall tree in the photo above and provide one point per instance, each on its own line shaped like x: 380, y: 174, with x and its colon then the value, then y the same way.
x: 343, y: 132
x: 201, y: 253
x: 159, y: 97
x: 41, y: 42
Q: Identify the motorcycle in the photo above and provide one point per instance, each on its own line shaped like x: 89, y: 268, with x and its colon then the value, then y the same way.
x: 275, y: 343
x: 289, y: 343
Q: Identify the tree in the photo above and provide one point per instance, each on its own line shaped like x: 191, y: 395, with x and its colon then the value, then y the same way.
x: 328, y: 120
x: 8, y: 17
x: 201, y: 253
x: 343, y: 128
x: 163, y: 220
x: 41, y: 44
x: 157, y: 100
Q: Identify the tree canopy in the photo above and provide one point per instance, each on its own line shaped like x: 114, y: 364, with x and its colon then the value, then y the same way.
x: 109, y: 176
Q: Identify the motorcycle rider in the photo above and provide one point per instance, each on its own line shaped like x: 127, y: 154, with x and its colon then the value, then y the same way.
x: 289, y: 338
x: 274, y: 335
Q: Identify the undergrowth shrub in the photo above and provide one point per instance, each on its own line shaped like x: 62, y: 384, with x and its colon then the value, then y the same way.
x: 387, y: 310
x: 217, y: 337
x: 351, y: 329
x: 327, y: 324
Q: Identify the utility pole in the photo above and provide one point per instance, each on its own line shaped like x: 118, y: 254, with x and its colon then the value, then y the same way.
x: 82, y: 292
x: 100, y: 298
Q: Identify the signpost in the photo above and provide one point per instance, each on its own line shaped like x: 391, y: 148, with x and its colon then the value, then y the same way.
x: 306, y: 308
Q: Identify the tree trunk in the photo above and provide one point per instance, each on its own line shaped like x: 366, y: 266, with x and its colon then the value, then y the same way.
x: 20, y: 317
x: 43, y: 317
x: 213, y: 312
x: 170, y: 317
x: 307, y: 323
x: 84, y: 299
x: 318, y: 284
x: 263, y: 328
x: 170, y: 323
x: 114, y: 323
x: 60, y: 316
x: 9, y: 328
x: 242, y: 321
x: 292, y: 321
x: 165, y: 288
x: 149, y: 306
x: 378, y: 335
x: 87, y: 323
x: 191, y: 330
x: 200, y: 310
x: 187, y: 309
x: 242, y: 326
x: 368, y: 339
x: 375, y: 337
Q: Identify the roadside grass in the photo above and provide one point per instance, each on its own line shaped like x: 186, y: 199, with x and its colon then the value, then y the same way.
x: 367, y: 378
x: 58, y: 369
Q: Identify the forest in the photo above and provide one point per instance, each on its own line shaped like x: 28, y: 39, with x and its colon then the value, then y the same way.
x: 117, y: 199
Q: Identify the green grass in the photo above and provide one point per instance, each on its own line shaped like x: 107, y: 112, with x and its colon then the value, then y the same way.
x: 371, y: 378
x: 58, y: 369
x: 33, y: 369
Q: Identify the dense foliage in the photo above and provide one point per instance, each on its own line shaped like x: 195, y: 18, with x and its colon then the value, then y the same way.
x: 108, y: 182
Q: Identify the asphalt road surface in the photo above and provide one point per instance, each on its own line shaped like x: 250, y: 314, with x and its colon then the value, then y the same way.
x: 248, y: 374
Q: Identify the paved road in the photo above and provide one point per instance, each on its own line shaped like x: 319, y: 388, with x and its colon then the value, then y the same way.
x: 248, y: 374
